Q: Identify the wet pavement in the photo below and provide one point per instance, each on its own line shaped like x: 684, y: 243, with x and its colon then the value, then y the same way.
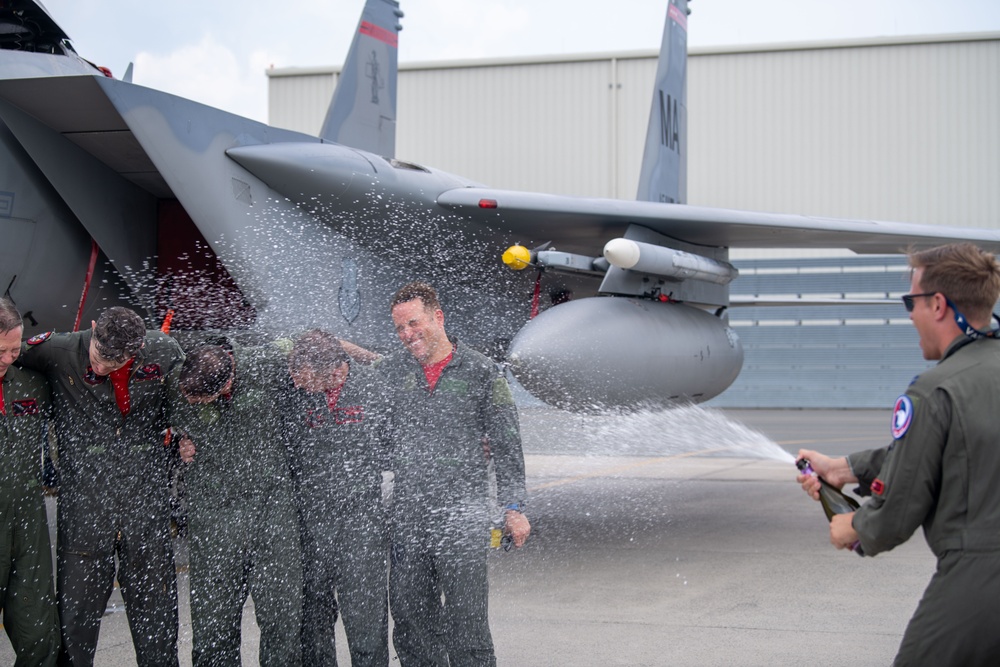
x: 667, y: 542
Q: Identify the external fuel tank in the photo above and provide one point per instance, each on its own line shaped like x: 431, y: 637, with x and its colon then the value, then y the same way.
x: 604, y: 353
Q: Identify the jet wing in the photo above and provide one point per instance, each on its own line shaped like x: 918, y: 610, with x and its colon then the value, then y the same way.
x: 578, y: 224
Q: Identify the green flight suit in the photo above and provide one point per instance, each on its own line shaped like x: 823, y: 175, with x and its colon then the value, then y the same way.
x: 113, y: 495
x: 26, y: 593
x: 442, y: 443
x: 339, y: 458
x: 242, y: 520
x: 943, y: 472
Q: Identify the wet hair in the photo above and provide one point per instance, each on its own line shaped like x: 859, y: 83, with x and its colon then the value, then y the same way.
x: 206, y: 371
x: 964, y: 273
x: 417, y: 290
x: 119, y: 334
x: 318, y: 350
x: 10, y: 318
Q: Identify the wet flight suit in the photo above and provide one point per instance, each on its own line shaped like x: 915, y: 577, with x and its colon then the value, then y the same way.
x: 340, y: 457
x: 442, y: 509
x: 26, y: 594
x: 943, y: 472
x: 113, y: 496
x: 242, y: 521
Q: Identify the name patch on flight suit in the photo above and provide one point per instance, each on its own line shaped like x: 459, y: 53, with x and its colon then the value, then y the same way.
x: 92, y: 378
x: 314, y: 418
x: 902, y: 416
x: 148, y: 372
x: 452, y: 386
x: 25, y: 408
x: 353, y: 414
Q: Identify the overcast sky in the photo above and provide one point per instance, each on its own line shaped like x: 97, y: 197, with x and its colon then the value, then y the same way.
x: 216, y: 51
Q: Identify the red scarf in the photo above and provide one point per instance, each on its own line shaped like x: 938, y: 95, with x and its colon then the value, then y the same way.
x: 332, y: 396
x: 433, y: 371
x: 119, y: 380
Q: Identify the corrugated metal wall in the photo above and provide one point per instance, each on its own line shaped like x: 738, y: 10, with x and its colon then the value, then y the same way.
x: 533, y: 120
x: 824, y: 356
x: 894, y: 130
x: 891, y: 130
x: 298, y: 99
x: 569, y: 126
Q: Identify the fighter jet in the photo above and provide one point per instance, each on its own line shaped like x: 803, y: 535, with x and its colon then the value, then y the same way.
x: 122, y: 193
x: 40, y: 236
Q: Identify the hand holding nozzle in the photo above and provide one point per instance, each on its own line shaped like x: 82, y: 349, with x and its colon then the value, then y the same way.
x: 836, y: 472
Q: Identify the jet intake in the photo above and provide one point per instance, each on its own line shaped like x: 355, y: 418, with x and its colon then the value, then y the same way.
x: 667, y: 262
x: 604, y: 353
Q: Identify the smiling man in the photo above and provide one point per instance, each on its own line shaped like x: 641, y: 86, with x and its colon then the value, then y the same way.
x: 943, y: 467
x: 26, y: 596
x: 452, y: 416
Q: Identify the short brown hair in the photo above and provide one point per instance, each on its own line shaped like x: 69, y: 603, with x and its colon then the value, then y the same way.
x: 964, y: 273
x: 206, y: 371
x: 417, y: 290
x: 10, y: 318
x: 316, y: 349
x: 119, y: 334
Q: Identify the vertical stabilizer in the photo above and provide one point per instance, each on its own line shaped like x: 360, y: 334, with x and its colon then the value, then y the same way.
x: 664, y: 161
x: 362, y: 113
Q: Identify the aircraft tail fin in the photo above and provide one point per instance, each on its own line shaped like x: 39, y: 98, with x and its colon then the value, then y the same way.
x: 362, y: 113
x: 664, y: 162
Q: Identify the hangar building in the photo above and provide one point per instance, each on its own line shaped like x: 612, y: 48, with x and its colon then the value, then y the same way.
x: 903, y: 128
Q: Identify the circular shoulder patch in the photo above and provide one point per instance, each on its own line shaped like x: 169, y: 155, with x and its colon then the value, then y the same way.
x: 39, y: 338
x: 902, y: 416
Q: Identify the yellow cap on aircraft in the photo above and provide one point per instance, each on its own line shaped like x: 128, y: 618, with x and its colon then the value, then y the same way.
x: 517, y: 257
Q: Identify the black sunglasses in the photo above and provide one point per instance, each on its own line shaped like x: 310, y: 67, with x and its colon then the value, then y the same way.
x: 908, y: 300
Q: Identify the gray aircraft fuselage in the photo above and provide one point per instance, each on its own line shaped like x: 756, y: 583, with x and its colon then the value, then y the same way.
x: 111, y: 192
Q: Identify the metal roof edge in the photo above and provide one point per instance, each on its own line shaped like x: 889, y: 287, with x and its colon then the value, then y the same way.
x: 859, y: 42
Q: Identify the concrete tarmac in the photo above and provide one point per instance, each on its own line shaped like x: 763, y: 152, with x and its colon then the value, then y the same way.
x: 668, y: 540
